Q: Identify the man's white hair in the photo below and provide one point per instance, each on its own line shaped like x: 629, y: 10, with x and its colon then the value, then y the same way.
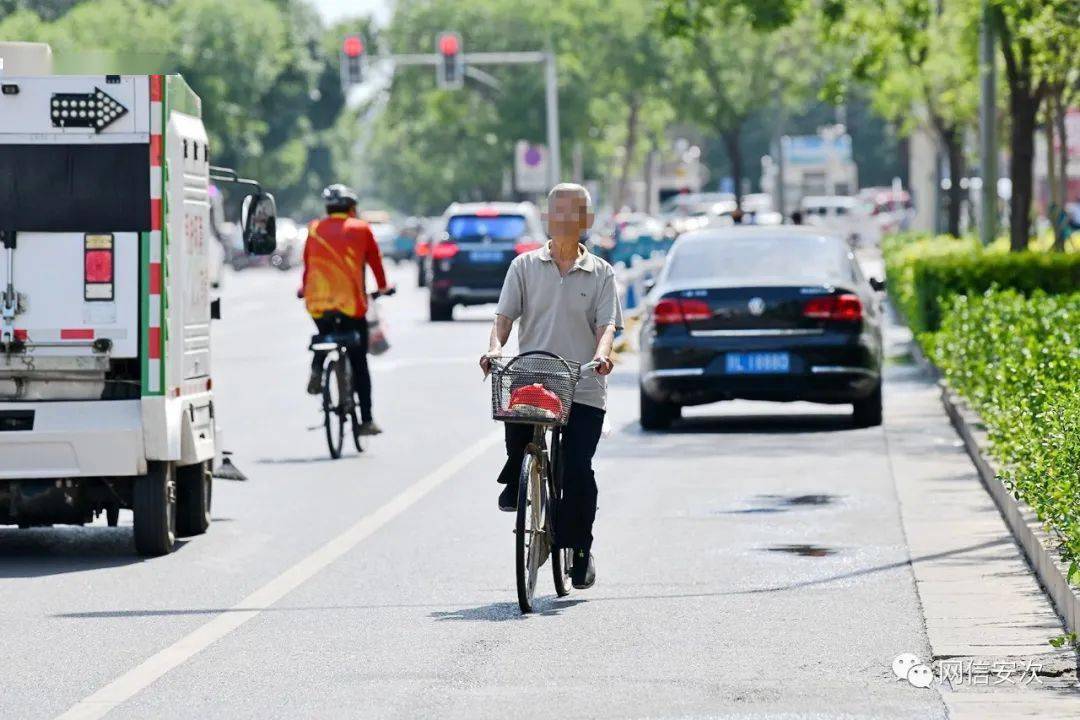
x: 573, y: 190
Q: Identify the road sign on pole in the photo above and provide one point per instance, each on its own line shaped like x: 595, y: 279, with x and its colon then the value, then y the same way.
x: 531, y: 167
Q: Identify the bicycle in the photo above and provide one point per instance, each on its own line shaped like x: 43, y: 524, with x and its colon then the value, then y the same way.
x: 537, y: 388
x: 338, y: 397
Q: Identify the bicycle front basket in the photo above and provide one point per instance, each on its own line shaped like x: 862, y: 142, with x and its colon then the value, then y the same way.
x: 534, y: 389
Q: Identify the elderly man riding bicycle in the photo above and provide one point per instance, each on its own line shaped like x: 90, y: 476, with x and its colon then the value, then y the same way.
x: 565, y: 301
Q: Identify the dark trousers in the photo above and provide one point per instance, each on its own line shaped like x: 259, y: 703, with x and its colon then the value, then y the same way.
x: 576, y: 510
x: 336, y: 322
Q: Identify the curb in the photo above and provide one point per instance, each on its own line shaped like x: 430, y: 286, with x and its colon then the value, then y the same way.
x: 1025, y: 527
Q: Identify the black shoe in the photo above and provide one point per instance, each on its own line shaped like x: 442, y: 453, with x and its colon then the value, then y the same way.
x: 314, y: 383
x: 583, y: 573
x: 369, y: 428
x: 508, y: 498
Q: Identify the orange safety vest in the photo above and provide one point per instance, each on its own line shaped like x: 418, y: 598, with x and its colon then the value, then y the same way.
x: 337, y: 251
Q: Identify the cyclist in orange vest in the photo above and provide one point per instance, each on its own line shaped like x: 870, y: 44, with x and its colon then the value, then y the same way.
x: 338, y: 250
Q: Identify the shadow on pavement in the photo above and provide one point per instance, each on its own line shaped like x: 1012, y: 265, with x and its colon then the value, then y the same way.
x: 502, y: 611
x: 491, y: 612
x: 303, y: 460
x: 772, y: 423
x: 38, y: 552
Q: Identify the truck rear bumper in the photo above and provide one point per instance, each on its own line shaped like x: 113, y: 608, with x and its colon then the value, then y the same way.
x: 72, y: 439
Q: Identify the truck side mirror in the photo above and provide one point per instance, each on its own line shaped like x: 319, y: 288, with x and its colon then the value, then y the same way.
x: 260, y: 224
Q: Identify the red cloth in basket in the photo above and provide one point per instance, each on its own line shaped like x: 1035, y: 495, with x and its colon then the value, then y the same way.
x: 525, y: 398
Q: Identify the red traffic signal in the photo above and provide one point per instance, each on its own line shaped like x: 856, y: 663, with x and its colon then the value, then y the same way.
x: 450, y: 70
x: 449, y: 44
x: 353, y: 46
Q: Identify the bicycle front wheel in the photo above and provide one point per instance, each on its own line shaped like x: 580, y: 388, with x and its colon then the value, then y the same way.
x: 531, y: 541
x: 333, y: 409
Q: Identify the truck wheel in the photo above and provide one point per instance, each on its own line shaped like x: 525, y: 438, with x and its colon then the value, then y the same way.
x: 194, y: 487
x: 154, y: 503
x: 441, y: 311
x: 112, y: 515
x: 656, y: 415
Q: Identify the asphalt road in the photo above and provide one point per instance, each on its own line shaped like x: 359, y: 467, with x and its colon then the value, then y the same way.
x: 751, y: 562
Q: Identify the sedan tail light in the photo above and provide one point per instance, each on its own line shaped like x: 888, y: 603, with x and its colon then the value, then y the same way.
x: 670, y: 311
x: 422, y: 248
x: 444, y: 250
x: 846, y: 307
x: 525, y: 246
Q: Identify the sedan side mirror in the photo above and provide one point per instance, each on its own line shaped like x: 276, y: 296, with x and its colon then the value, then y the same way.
x: 260, y: 224
x: 877, y: 284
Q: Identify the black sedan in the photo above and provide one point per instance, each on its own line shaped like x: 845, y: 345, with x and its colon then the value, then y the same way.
x: 760, y: 313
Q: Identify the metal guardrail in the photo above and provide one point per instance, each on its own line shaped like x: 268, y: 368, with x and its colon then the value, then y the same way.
x: 632, y: 280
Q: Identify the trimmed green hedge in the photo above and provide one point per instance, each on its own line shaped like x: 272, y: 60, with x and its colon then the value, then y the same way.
x: 925, y: 272
x: 1016, y: 359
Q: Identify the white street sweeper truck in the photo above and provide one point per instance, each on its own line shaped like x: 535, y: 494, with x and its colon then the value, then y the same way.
x: 106, y: 389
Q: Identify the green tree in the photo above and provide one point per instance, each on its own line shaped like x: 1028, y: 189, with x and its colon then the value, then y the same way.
x: 626, y: 76
x: 1039, y: 43
x: 724, y: 71
x: 428, y: 147
x: 918, y: 59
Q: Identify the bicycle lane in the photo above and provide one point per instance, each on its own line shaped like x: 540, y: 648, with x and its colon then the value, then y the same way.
x: 691, y: 614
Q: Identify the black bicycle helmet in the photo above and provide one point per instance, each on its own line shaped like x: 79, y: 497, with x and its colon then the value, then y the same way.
x: 339, y: 198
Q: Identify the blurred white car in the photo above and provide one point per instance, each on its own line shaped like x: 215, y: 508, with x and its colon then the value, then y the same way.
x: 836, y: 213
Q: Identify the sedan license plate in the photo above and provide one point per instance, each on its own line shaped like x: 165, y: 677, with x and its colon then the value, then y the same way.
x: 757, y: 363
x: 486, y: 256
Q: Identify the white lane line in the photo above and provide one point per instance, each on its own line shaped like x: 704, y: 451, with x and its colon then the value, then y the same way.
x: 141, y: 676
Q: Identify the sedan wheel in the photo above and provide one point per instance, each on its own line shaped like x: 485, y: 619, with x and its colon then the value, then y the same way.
x: 656, y: 415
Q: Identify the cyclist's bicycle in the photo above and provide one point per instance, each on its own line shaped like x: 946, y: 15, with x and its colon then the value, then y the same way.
x: 537, y: 388
x: 338, y: 396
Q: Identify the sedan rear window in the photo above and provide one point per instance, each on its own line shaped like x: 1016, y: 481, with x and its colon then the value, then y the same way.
x: 465, y: 228
x: 756, y: 258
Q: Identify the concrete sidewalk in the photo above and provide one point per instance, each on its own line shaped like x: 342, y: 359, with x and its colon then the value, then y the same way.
x: 987, y: 618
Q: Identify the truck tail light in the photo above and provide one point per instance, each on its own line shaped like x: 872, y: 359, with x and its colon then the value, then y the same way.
x: 98, y: 267
x: 846, y: 307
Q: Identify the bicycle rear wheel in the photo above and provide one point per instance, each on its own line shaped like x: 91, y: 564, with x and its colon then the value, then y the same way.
x: 334, y: 416
x: 531, y: 541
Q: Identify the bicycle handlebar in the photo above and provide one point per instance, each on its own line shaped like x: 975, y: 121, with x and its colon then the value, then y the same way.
x: 503, y: 362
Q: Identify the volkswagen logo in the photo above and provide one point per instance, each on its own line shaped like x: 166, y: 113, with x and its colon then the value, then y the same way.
x: 756, y: 306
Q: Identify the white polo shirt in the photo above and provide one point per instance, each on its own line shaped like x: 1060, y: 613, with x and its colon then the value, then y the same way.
x: 561, y: 315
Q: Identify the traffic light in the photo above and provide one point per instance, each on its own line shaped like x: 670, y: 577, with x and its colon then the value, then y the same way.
x: 450, y: 70
x: 352, y: 61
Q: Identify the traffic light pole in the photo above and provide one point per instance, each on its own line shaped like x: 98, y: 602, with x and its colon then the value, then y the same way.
x: 551, y: 89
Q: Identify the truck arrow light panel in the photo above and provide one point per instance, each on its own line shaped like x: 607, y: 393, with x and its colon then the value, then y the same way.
x: 97, y: 110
